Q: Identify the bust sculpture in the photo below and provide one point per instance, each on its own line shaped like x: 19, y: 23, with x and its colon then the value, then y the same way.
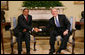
x: 82, y: 14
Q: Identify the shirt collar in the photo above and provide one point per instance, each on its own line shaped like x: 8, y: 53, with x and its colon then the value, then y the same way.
x: 25, y: 16
x: 56, y: 16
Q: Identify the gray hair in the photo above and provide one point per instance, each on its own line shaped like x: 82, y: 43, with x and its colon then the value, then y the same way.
x: 54, y: 8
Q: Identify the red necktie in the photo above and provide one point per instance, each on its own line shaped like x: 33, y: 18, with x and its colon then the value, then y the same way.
x: 26, y: 18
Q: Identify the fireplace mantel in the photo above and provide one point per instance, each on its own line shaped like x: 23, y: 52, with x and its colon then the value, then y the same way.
x: 43, y: 13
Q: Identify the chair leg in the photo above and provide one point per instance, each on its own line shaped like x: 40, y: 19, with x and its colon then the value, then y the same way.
x: 58, y: 43
x: 11, y: 42
x: 34, y: 43
x: 34, y: 46
x: 11, y: 48
x: 12, y: 45
x: 73, y: 48
x: 73, y: 44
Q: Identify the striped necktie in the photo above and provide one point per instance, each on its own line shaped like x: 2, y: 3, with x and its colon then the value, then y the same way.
x: 26, y: 18
x: 57, y: 23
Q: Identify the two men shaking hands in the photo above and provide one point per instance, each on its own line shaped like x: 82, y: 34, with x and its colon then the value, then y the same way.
x: 59, y: 24
x: 34, y: 29
x: 37, y: 29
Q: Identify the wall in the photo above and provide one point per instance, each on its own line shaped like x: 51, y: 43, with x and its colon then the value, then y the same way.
x: 70, y: 9
x: 14, y: 9
x: 73, y: 9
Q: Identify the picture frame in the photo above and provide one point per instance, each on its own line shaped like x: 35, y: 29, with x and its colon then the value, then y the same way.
x: 4, y: 5
x: 78, y: 2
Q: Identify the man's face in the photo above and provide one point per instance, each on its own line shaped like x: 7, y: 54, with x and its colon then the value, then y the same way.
x: 25, y: 12
x: 54, y: 12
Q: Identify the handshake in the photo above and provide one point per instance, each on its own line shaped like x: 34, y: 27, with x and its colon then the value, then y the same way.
x: 37, y: 29
x: 34, y: 29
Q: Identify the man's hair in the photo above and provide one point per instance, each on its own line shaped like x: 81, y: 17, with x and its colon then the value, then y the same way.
x: 54, y: 8
x: 25, y: 9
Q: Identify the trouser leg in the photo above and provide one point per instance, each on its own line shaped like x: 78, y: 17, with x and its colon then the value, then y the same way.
x: 27, y: 42
x: 64, y: 42
x: 19, y: 40
x: 53, y: 35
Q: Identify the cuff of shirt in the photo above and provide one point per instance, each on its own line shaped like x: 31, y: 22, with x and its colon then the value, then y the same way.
x: 40, y: 29
x: 32, y: 29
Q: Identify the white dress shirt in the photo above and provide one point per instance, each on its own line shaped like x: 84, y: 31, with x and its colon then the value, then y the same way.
x: 25, y: 16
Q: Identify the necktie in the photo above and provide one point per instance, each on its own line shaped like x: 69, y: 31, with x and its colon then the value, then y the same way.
x: 57, y: 23
x: 26, y: 18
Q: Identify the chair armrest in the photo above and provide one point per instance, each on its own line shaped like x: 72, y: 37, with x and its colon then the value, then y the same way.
x: 73, y: 30
x: 11, y: 28
x: 72, y: 35
x: 13, y: 38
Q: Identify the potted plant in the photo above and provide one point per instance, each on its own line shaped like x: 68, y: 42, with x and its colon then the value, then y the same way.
x: 41, y: 4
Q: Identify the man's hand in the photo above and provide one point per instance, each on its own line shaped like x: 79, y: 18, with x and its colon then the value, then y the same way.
x: 36, y: 29
x: 65, y: 32
x: 24, y: 30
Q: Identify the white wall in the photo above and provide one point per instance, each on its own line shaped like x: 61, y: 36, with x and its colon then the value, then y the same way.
x: 70, y: 9
x: 73, y: 9
x: 14, y: 9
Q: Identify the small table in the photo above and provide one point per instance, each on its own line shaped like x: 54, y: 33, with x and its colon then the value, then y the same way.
x: 3, y: 24
x: 80, y: 25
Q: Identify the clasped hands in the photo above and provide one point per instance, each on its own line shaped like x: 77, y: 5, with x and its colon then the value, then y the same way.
x: 36, y: 29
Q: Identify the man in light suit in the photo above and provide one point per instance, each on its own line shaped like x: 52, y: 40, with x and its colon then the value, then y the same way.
x: 59, y: 25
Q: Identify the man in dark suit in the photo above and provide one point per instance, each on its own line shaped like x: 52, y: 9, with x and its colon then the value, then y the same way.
x: 22, y: 30
x: 59, y: 25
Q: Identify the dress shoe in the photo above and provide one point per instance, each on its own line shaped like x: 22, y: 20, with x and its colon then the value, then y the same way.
x: 64, y: 48
x: 51, y: 51
x: 28, y: 52
x: 19, y: 52
x: 59, y: 51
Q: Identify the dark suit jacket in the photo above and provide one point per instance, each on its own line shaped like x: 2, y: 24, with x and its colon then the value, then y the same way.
x: 23, y: 24
x: 64, y: 24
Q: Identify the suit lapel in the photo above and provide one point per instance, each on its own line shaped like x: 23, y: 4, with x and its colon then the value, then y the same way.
x: 28, y: 19
x: 25, y: 19
x: 53, y: 22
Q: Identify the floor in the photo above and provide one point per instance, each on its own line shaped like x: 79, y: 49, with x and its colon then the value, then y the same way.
x: 42, y: 46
